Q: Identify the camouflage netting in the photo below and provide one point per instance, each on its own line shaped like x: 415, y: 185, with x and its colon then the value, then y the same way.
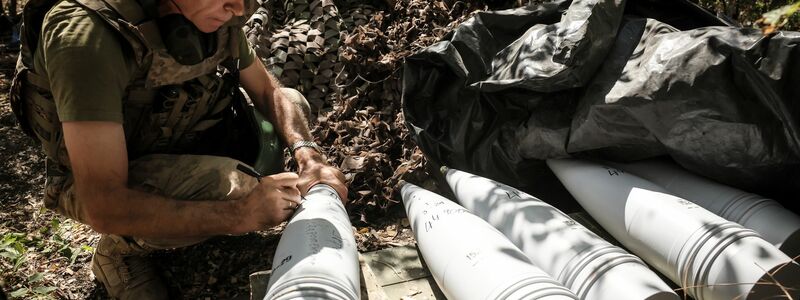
x: 345, y: 57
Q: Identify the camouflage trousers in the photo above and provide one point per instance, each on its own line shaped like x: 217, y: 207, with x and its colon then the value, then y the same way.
x: 176, y: 176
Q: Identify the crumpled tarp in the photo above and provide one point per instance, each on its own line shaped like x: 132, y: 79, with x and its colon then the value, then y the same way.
x: 610, y: 79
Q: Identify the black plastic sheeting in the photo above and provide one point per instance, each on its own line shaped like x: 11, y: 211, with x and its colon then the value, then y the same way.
x: 612, y: 80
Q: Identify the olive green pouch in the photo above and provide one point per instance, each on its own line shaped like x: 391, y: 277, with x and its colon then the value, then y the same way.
x: 269, y: 159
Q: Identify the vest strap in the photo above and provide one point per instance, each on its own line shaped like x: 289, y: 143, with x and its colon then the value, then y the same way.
x: 38, y: 81
x: 141, y: 96
x: 117, y: 21
x: 151, y: 34
x: 134, y: 14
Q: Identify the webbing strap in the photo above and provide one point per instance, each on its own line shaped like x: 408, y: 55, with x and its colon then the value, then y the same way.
x: 130, y: 10
x: 179, y: 129
x: 137, y: 17
x: 205, y: 124
x: 235, y: 52
x: 205, y: 101
x: 141, y: 97
x: 99, y: 7
x: 38, y: 81
x: 38, y: 111
x: 234, y: 44
x: 126, y: 29
x: 42, y: 114
x: 219, y: 106
x: 178, y: 106
x: 151, y: 34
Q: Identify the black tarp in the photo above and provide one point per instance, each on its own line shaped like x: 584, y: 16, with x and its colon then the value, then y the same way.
x: 612, y: 79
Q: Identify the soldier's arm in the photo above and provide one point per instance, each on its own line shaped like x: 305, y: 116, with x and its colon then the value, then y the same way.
x: 99, y: 162
x: 292, y: 127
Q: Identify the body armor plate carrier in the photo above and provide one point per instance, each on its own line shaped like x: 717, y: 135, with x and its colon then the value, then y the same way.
x: 168, y: 107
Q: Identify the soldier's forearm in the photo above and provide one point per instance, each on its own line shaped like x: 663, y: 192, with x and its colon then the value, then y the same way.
x: 130, y: 212
x: 288, y: 118
x: 265, y: 91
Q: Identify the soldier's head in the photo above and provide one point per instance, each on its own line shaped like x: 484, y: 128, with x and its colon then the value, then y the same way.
x: 206, y: 15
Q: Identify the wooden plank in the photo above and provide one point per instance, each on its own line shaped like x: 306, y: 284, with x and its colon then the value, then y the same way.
x: 417, y: 289
x: 395, y: 265
x: 258, y: 284
x: 402, y: 274
x: 390, y: 274
x: 370, y: 287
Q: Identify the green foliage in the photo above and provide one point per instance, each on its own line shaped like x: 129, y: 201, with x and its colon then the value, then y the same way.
x: 19, y: 293
x: 12, y: 247
x: 38, y: 292
x: 16, y: 248
x: 765, y: 14
x: 776, y: 19
x: 33, y: 292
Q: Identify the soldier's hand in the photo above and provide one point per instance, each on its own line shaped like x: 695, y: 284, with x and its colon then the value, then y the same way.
x: 272, y: 201
x: 314, y: 172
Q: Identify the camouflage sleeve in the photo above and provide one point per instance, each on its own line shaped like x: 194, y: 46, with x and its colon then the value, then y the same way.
x: 86, y: 65
x: 246, y: 55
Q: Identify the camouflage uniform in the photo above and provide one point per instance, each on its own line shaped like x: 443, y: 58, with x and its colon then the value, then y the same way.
x: 168, y: 110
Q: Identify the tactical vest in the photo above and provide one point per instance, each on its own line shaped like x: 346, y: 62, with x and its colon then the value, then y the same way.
x: 167, y: 106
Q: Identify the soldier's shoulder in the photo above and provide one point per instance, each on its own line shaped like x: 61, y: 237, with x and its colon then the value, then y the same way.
x: 68, y: 11
x: 69, y: 24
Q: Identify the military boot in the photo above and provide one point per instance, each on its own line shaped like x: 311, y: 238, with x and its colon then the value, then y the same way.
x: 124, y: 270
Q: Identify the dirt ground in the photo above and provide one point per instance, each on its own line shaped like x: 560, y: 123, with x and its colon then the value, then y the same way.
x: 45, y: 256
